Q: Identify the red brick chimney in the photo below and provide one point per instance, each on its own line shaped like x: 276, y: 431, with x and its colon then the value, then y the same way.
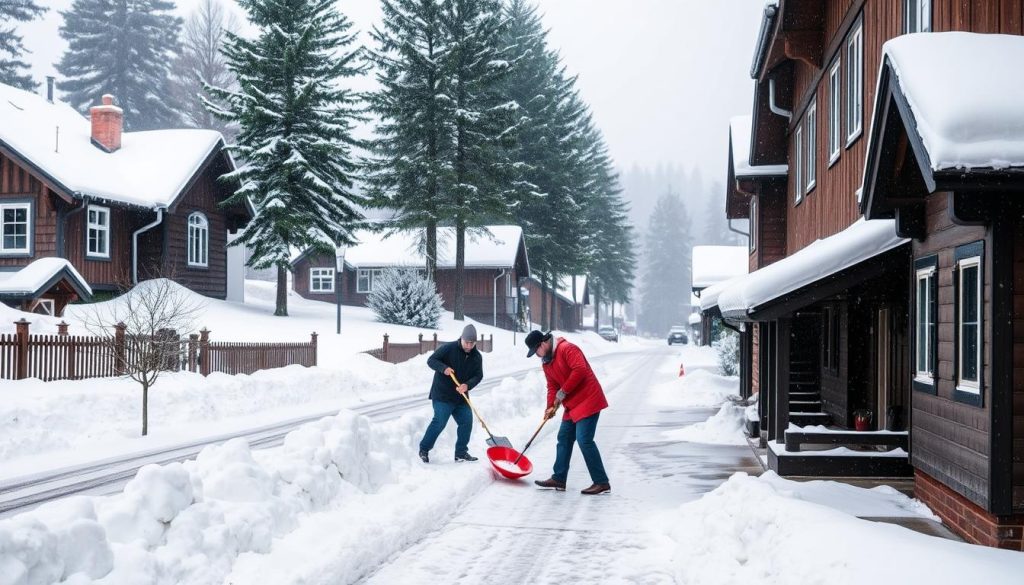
x: 107, y: 121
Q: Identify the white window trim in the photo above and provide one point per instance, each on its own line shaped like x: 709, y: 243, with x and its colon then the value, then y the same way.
x: 972, y: 386
x: 855, y: 84
x: 372, y: 275
x: 105, y: 227
x: 753, y: 226
x: 321, y: 274
x: 835, y: 114
x: 798, y: 150
x: 28, y: 228
x: 923, y: 376
x: 812, y: 146
x: 924, y: 15
x: 51, y: 307
x: 203, y: 259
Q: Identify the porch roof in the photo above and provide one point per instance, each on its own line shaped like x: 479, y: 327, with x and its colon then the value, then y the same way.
x: 739, y: 140
x: 714, y: 264
x: 38, y: 277
x: 823, y: 258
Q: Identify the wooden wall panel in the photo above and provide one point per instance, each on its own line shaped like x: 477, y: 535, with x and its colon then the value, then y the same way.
x: 17, y: 183
x: 203, y: 196
x: 1018, y: 366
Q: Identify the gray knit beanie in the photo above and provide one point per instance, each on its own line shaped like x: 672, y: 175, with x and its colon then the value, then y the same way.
x: 469, y: 333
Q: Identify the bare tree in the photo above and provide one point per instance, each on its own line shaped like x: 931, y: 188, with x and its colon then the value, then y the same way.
x: 147, y: 322
x: 201, y: 63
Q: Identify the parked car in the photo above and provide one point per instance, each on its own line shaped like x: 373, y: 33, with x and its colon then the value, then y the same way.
x: 608, y: 333
x: 677, y: 334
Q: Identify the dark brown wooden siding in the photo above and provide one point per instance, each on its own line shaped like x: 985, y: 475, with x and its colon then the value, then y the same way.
x: 951, y: 440
x: 835, y: 387
x: 983, y: 16
x: 203, y: 196
x: 18, y: 183
x: 114, y: 273
x: 1018, y: 365
x: 771, y: 236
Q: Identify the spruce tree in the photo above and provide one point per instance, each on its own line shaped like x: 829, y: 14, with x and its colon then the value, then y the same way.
x: 483, y: 123
x: 295, y: 131
x: 403, y: 297
x: 13, y: 71
x: 124, y: 48
x: 665, y: 286
x: 412, y: 150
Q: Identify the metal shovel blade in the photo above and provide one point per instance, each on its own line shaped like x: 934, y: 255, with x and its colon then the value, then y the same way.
x: 496, y: 441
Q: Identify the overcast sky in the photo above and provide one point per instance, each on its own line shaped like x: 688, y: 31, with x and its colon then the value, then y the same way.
x: 663, y: 77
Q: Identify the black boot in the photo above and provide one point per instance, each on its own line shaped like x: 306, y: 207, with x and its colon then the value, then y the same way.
x: 424, y: 457
x: 465, y: 457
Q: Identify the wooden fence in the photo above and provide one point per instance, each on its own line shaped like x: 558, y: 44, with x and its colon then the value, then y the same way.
x: 399, y: 352
x: 75, y: 357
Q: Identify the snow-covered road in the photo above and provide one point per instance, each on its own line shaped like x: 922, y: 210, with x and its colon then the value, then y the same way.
x: 513, y: 533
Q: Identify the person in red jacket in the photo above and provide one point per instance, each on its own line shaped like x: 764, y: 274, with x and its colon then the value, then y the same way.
x: 572, y: 384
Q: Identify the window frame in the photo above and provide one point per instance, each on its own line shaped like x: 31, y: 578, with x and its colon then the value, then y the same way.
x: 29, y: 206
x: 328, y: 275
x: 926, y: 269
x: 52, y: 311
x: 811, y: 162
x: 968, y: 256
x: 201, y: 260
x: 798, y: 150
x: 90, y: 226
x: 835, y: 111
x: 752, y: 240
x: 923, y: 10
x: 854, y: 87
x: 371, y: 275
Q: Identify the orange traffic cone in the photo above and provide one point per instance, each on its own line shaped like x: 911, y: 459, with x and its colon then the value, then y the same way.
x: 681, y: 371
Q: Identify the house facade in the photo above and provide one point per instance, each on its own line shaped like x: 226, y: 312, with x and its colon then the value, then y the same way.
x: 118, y: 206
x: 495, y: 262
x: 564, y: 302
x: 878, y: 275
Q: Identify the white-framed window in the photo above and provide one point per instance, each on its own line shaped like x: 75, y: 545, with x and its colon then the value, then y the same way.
x: 968, y: 324
x: 198, y: 240
x: 798, y: 153
x: 321, y: 280
x: 98, y: 232
x: 855, y: 83
x: 811, y: 124
x: 924, y: 322
x: 44, y: 307
x: 365, y: 278
x: 835, y: 101
x: 16, y: 228
x: 917, y: 16
x: 753, y: 224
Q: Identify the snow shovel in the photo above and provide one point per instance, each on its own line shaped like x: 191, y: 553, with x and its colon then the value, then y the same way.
x: 511, y: 464
x: 492, y: 440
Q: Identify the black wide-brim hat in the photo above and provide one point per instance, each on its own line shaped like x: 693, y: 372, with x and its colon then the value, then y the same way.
x: 533, y: 341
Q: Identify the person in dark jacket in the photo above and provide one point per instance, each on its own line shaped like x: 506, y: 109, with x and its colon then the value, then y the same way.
x: 572, y: 384
x: 463, y: 359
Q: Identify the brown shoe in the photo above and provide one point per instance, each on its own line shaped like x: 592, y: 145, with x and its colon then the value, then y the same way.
x: 597, y: 488
x: 559, y: 486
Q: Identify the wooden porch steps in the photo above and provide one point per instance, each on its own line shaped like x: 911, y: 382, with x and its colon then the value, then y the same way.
x: 810, y: 406
x: 803, y: 419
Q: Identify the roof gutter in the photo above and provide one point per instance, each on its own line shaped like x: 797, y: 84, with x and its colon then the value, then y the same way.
x: 763, y: 36
x: 135, y: 243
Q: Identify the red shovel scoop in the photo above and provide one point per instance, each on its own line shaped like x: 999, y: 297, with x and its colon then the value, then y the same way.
x: 510, y: 463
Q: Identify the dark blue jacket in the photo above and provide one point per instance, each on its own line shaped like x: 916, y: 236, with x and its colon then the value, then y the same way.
x: 469, y: 369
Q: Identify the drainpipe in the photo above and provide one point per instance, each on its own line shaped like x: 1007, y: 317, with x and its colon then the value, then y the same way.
x: 135, y: 243
x: 771, y: 102
x: 736, y: 231
x: 503, y: 272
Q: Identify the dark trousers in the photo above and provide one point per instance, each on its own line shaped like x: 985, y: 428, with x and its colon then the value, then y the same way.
x: 463, y: 418
x: 581, y: 432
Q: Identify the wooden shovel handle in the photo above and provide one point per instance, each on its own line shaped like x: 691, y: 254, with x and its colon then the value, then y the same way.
x: 530, y: 442
x: 471, y: 407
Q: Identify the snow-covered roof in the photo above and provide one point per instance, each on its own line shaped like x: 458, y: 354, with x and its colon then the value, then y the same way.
x: 859, y: 242
x: 714, y: 264
x: 709, y: 296
x: 565, y: 289
x: 30, y: 280
x: 402, y: 248
x: 965, y: 93
x: 739, y: 134
x: 693, y: 319
x: 149, y: 170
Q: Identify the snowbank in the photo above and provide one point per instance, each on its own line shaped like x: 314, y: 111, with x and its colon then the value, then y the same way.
x: 697, y: 389
x: 769, y: 530
x: 725, y: 427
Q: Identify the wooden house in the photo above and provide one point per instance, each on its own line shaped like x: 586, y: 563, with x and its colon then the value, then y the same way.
x: 564, y: 302
x: 862, y: 324
x: 495, y: 262
x: 118, y: 206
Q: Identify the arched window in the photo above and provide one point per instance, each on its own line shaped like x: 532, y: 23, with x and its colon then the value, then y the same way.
x: 198, y: 240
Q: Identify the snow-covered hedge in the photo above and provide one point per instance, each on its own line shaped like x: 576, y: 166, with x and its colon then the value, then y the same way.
x: 404, y: 297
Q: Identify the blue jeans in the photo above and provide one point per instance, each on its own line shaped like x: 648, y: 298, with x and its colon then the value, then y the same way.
x: 463, y: 418
x: 581, y: 432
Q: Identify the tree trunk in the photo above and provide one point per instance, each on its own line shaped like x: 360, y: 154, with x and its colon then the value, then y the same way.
x: 613, y: 314
x: 282, y: 292
x: 597, y: 307
x: 460, y: 269
x: 577, y: 314
x: 432, y: 252
x: 544, y: 302
x: 145, y: 408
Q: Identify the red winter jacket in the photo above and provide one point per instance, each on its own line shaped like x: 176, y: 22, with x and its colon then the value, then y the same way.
x: 570, y: 372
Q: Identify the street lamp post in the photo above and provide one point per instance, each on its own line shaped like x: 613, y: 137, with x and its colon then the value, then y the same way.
x: 339, y: 265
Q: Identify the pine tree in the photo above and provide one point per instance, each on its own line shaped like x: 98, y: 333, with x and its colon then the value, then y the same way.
x: 201, y: 63
x: 412, y: 149
x: 13, y: 71
x: 403, y: 297
x: 295, y: 131
x: 665, y: 287
x: 123, y: 48
x: 483, y: 125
